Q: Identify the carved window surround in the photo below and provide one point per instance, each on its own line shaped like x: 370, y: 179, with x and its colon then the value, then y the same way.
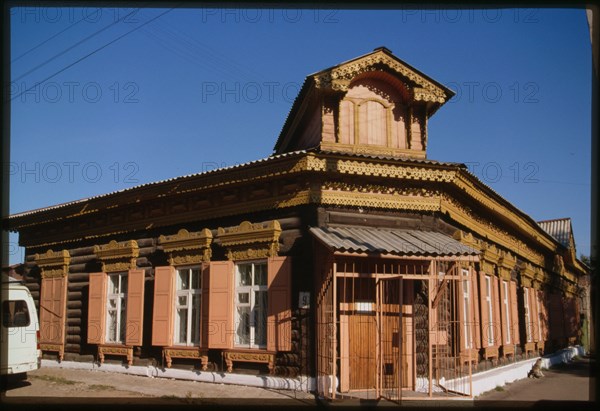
x: 122, y: 350
x: 255, y: 356
x: 187, y: 248
x: 187, y: 353
x: 53, y: 263
x: 115, y: 256
x: 529, y: 275
x: 467, y: 239
x: 506, y: 263
x: 490, y: 258
x: 250, y: 241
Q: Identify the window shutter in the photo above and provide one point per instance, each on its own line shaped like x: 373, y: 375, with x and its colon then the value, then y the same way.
x: 505, y: 321
x: 533, y: 315
x: 135, y: 307
x: 279, y: 313
x: 475, y: 321
x: 220, y: 305
x: 485, y: 319
x: 97, y: 308
x: 496, y: 309
x: 46, y: 310
x: 514, y: 313
x: 543, y: 314
x: 162, y: 309
x: 205, y: 271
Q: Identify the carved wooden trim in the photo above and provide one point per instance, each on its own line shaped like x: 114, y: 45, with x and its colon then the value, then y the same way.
x: 250, y: 241
x: 187, y: 248
x: 264, y: 357
x: 467, y: 239
x: 117, y: 256
x: 53, y: 263
x: 59, y: 348
x: 490, y: 352
x: 122, y: 350
x: 340, y: 77
x: 188, y: 353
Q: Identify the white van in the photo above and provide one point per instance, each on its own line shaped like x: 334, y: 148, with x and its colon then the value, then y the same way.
x: 20, y: 329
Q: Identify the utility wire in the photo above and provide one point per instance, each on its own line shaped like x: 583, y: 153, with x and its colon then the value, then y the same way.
x: 73, y: 46
x: 90, y: 54
x: 48, y: 39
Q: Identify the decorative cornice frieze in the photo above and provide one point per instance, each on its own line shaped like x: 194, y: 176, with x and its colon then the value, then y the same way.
x: 53, y: 263
x: 116, y: 256
x: 187, y: 248
x: 250, y: 241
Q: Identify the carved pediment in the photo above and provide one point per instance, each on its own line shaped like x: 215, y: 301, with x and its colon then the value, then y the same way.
x: 250, y: 241
x: 187, y: 247
x: 116, y: 256
x: 53, y: 263
x: 339, y: 77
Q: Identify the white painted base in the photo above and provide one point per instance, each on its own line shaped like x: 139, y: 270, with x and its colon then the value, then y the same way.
x: 482, y: 381
x: 305, y: 384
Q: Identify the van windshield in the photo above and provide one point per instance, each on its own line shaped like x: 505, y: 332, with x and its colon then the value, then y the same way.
x: 15, y: 314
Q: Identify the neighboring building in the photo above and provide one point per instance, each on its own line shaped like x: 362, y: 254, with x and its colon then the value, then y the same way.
x: 347, y: 255
x: 562, y: 230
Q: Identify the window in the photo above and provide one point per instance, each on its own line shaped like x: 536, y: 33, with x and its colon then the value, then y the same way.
x: 488, y: 301
x: 527, y: 315
x: 187, y: 306
x: 116, y: 305
x: 466, y: 311
x: 506, y: 310
x: 15, y: 314
x: 251, y: 305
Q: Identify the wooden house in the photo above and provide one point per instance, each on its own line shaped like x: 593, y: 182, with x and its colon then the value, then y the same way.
x: 347, y: 256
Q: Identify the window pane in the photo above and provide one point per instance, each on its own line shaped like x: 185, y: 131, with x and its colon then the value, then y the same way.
x: 244, y: 274
x: 196, y: 279
x: 244, y: 298
x: 111, y: 328
x: 182, y: 325
x: 196, y: 319
x: 183, y: 281
x: 260, y: 274
x: 113, y: 284
x: 242, y: 335
x: 112, y: 303
x: 123, y: 284
x: 182, y: 301
x: 123, y: 320
x: 260, y: 317
x: 15, y: 314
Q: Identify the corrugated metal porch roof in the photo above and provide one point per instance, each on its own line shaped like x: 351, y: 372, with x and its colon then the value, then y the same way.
x: 390, y: 241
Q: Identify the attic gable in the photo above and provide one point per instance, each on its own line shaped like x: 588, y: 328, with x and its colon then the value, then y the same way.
x: 374, y: 104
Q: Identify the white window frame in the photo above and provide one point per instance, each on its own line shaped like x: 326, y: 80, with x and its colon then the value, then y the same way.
x: 466, y: 310
x: 488, y: 300
x: 250, y: 290
x: 189, y: 296
x: 121, y: 299
x: 527, y: 316
x: 505, y: 288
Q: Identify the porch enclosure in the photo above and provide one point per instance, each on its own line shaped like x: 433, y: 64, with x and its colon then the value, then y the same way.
x: 391, y: 326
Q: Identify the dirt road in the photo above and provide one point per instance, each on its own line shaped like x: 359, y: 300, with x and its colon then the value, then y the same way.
x: 58, y: 385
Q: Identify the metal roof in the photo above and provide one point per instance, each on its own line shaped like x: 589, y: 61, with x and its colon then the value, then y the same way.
x: 156, y: 183
x: 560, y: 229
x: 390, y: 241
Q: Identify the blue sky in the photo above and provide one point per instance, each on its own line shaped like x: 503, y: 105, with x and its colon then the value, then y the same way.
x: 194, y: 89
